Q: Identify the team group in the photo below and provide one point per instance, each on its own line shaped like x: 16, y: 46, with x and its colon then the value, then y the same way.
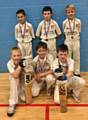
x: 48, y: 58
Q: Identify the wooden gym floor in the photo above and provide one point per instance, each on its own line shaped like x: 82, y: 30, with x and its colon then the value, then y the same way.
x: 43, y: 107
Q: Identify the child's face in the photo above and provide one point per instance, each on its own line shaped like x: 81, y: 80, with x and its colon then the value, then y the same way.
x: 47, y: 15
x: 42, y: 52
x: 62, y: 56
x: 16, y: 56
x: 21, y: 18
x: 70, y: 12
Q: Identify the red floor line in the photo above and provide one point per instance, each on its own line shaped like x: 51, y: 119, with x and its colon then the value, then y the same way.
x: 47, y: 112
x: 46, y: 105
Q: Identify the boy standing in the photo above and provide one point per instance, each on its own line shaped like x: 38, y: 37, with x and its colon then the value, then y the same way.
x: 42, y: 69
x: 24, y: 34
x: 48, y: 30
x: 72, y: 29
x: 14, y: 77
x: 74, y: 83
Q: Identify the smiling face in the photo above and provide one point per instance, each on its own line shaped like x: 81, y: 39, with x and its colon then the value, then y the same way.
x: 41, y: 52
x: 16, y: 56
x: 70, y: 12
x: 47, y: 15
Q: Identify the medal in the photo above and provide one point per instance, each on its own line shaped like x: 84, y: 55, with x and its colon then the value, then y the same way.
x: 22, y: 31
x: 72, y: 28
x: 46, y: 29
x: 46, y: 39
x: 72, y: 37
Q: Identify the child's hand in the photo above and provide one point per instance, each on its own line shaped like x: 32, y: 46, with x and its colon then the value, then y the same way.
x: 37, y: 78
x: 78, y: 26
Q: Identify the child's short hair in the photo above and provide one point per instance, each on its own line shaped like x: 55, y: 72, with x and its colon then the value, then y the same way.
x: 70, y: 6
x: 41, y: 44
x: 21, y: 11
x: 62, y: 48
x: 47, y: 8
x: 15, y: 48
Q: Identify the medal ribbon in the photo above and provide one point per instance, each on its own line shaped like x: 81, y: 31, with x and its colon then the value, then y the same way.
x: 71, y: 30
x: 46, y: 28
x: 41, y: 66
x: 22, y: 31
